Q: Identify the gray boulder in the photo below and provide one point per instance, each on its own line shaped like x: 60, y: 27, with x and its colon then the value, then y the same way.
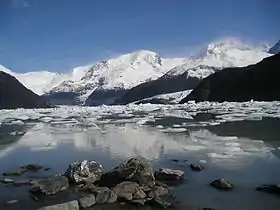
x: 72, y: 205
x: 137, y: 169
x: 87, y: 201
x: 165, y: 174
x: 50, y: 186
x: 84, y: 172
x: 196, y: 167
x: 222, y: 184
x: 106, y: 196
x: 126, y: 190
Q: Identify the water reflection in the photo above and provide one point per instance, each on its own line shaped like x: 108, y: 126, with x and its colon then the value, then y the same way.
x: 232, y: 150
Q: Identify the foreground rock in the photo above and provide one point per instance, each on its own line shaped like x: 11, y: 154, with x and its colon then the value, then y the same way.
x: 137, y: 169
x: 106, y: 196
x: 222, y: 184
x: 87, y: 201
x: 126, y: 191
x: 165, y: 174
x: 269, y: 188
x: 102, y: 194
x: 84, y: 172
x: 72, y: 205
x: 50, y: 186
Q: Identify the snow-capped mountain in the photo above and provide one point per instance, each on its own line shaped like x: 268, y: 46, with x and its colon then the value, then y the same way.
x: 213, y: 57
x: 120, y: 73
x: 41, y: 82
x: 218, y: 55
x: 115, y: 77
x: 275, y: 49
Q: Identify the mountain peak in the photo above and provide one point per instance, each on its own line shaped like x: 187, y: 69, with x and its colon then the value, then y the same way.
x: 275, y: 49
x: 228, y: 47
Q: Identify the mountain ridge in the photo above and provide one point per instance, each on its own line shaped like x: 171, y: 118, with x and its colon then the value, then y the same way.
x: 127, y: 71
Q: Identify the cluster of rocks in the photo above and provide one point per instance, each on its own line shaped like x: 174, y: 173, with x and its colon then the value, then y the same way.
x: 133, y: 181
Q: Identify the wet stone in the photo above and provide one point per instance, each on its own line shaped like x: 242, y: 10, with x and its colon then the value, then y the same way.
x: 165, y: 174
x: 222, y: 184
x: 50, y: 186
x: 72, y: 205
x: 139, y: 195
x: 84, y: 172
x: 126, y: 190
x: 196, y: 167
x: 32, y: 167
x: 106, y: 196
x: 87, y: 201
x: 137, y: 169
x: 15, y: 172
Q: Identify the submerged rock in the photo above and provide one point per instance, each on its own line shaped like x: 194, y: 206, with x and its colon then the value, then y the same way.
x: 222, y: 184
x: 87, y: 201
x: 32, y: 167
x: 15, y: 172
x: 269, y: 188
x: 137, y: 169
x: 196, y: 167
x: 165, y: 174
x: 50, y: 186
x: 84, y: 172
x: 72, y: 205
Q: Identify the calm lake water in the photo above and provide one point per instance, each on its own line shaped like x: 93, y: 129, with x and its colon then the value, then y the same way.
x: 236, y: 141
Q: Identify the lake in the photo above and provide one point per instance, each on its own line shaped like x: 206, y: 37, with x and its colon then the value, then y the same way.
x: 236, y: 141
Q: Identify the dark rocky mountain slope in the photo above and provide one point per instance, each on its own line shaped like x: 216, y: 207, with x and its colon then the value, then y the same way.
x: 13, y: 94
x: 260, y: 82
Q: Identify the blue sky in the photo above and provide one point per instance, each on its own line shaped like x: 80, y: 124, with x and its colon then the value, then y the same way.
x: 60, y: 34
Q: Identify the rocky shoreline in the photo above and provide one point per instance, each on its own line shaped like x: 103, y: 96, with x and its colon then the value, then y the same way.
x: 133, y: 181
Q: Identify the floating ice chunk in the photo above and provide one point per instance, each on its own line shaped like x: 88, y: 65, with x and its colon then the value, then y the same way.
x: 174, y: 130
x: 254, y: 117
x: 278, y: 148
x: 46, y: 119
x: 216, y: 155
x: 234, y: 149
x: 176, y: 126
x: 16, y: 133
x: 202, y: 162
x: 214, y: 123
x: 16, y: 122
x: 232, y: 144
x: 159, y: 127
x: 23, y: 117
x: 194, y: 147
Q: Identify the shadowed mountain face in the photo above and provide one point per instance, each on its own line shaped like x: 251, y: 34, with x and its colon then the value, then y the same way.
x: 275, y: 49
x: 160, y: 86
x: 14, y: 95
x: 259, y: 82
